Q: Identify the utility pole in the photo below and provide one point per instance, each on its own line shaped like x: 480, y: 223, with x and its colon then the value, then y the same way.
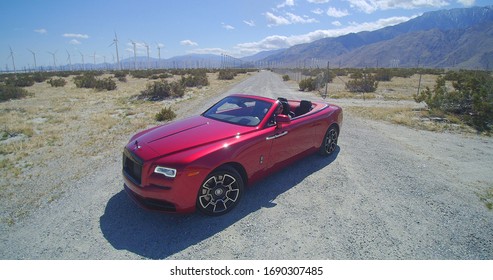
x: 419, y: 83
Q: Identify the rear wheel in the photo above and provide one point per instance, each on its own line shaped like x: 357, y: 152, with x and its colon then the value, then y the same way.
x: 220, y: 192
x: 329, y: 143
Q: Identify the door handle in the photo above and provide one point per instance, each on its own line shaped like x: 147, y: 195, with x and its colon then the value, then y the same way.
x: 277, y: 135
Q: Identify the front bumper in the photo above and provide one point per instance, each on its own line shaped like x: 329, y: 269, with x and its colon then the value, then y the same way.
x: 178, y: 195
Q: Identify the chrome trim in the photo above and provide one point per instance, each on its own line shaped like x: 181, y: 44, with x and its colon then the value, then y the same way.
x: 276, y: 136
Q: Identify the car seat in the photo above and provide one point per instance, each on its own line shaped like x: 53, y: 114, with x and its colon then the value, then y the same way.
x: 305, y: 107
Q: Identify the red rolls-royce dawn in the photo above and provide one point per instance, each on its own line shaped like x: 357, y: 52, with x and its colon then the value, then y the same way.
x: 205, y: 162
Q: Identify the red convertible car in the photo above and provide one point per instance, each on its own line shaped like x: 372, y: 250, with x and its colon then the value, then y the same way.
x: 206, y: 161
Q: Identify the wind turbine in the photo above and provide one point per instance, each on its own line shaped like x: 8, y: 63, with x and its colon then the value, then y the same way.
x: 69, y: 60
x: 34, y: 56
x: 83, y: 64
x: 115, y: 42
x: 12, y: 56
x: 135, y: 54
x: 54, y: 58
x: 147, y: 47
x: 94, y: 57
x: 159, y: 53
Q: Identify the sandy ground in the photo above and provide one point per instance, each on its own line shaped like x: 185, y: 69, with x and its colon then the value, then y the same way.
x: 390, y: 192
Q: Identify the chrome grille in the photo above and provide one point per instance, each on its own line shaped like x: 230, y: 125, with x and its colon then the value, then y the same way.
x: 132, y: 167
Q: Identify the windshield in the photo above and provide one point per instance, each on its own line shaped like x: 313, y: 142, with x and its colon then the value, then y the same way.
x: 239, y: 110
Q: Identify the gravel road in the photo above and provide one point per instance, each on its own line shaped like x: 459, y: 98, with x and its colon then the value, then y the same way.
x: 389, y: 192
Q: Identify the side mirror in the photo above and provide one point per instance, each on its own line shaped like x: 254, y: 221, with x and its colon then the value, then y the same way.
x: 282, y: 119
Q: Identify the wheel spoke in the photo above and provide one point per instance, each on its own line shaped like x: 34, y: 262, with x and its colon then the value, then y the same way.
x: 232, y: 194
x: 220, y: 206
x: 331, y: 141
x: 205, y: 200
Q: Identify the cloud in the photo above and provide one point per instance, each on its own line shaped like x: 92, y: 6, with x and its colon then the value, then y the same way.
x: 278, y: 41
x: 333, y: 12
x: 298, y: 19
x: 467, y: 3
x: 290, y: 18
x: 74, y: 35
x: 74, y: 42
x: 286, y: 3
x: 318, y: 1
x: 216, y: 51
x: 249, y: 23
x: 336, y: 23
x: 41, y: 31
x: 188, y: 43
x: 274, y: 20
x: 227, y: 26
x: 318, y: 11
x: 370, y: 6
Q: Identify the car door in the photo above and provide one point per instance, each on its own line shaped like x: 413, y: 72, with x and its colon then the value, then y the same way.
x: 288, y: 141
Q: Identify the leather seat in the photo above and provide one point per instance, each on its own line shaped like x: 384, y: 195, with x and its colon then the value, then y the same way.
x: 305, y: 107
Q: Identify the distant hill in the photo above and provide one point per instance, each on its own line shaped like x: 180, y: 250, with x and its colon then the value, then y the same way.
x: 459, y: 38
x: 261, y: 55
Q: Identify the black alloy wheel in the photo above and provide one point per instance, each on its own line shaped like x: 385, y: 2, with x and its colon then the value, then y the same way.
x: 329, y: 144
x: 220, y: 192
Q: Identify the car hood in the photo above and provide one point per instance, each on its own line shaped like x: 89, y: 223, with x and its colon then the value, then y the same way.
x: 186, y: 134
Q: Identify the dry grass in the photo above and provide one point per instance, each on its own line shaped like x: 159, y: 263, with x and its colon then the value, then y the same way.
x: 397, y: 89
x: 43, y: 137
x: 410, y: 117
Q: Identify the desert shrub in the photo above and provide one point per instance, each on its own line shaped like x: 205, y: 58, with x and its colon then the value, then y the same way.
x: 285, y: 78
x: 105, y: 84
x: 57, y: 82
x: 308, y: 84
x: 339, y: 72
x: 20, y: 81
x: 89, y: 81
x: 166, y: 114
x: 8, y: 92
x: 226, y: 75
x: 362, y: 82
x: 404, y: 72
x: 471, y: 99
x: 40, y: 77
x: 383, y: 75
x: 121, y: 76
x: 86, y: 80
x: 195, y: 80
x: 161, y: 90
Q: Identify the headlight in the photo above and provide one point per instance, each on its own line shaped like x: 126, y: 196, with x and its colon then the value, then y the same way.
x: 168, y: 172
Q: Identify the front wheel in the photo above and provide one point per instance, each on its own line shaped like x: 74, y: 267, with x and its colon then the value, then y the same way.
x: 329, y: 143
x: 220, y: 192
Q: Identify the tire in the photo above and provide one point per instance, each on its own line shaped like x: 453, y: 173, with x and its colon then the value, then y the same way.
x: 220, y: 192
x: 329, y: 143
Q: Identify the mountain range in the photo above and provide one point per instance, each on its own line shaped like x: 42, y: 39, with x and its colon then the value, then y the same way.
x: 456, y: 38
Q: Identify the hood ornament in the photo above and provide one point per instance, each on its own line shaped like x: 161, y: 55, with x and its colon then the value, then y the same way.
x: 136, y: 145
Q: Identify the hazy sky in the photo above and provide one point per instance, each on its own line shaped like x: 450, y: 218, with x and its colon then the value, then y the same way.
x: 234, y: 27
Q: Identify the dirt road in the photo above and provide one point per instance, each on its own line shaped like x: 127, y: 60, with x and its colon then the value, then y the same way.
x: 388, y: 193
